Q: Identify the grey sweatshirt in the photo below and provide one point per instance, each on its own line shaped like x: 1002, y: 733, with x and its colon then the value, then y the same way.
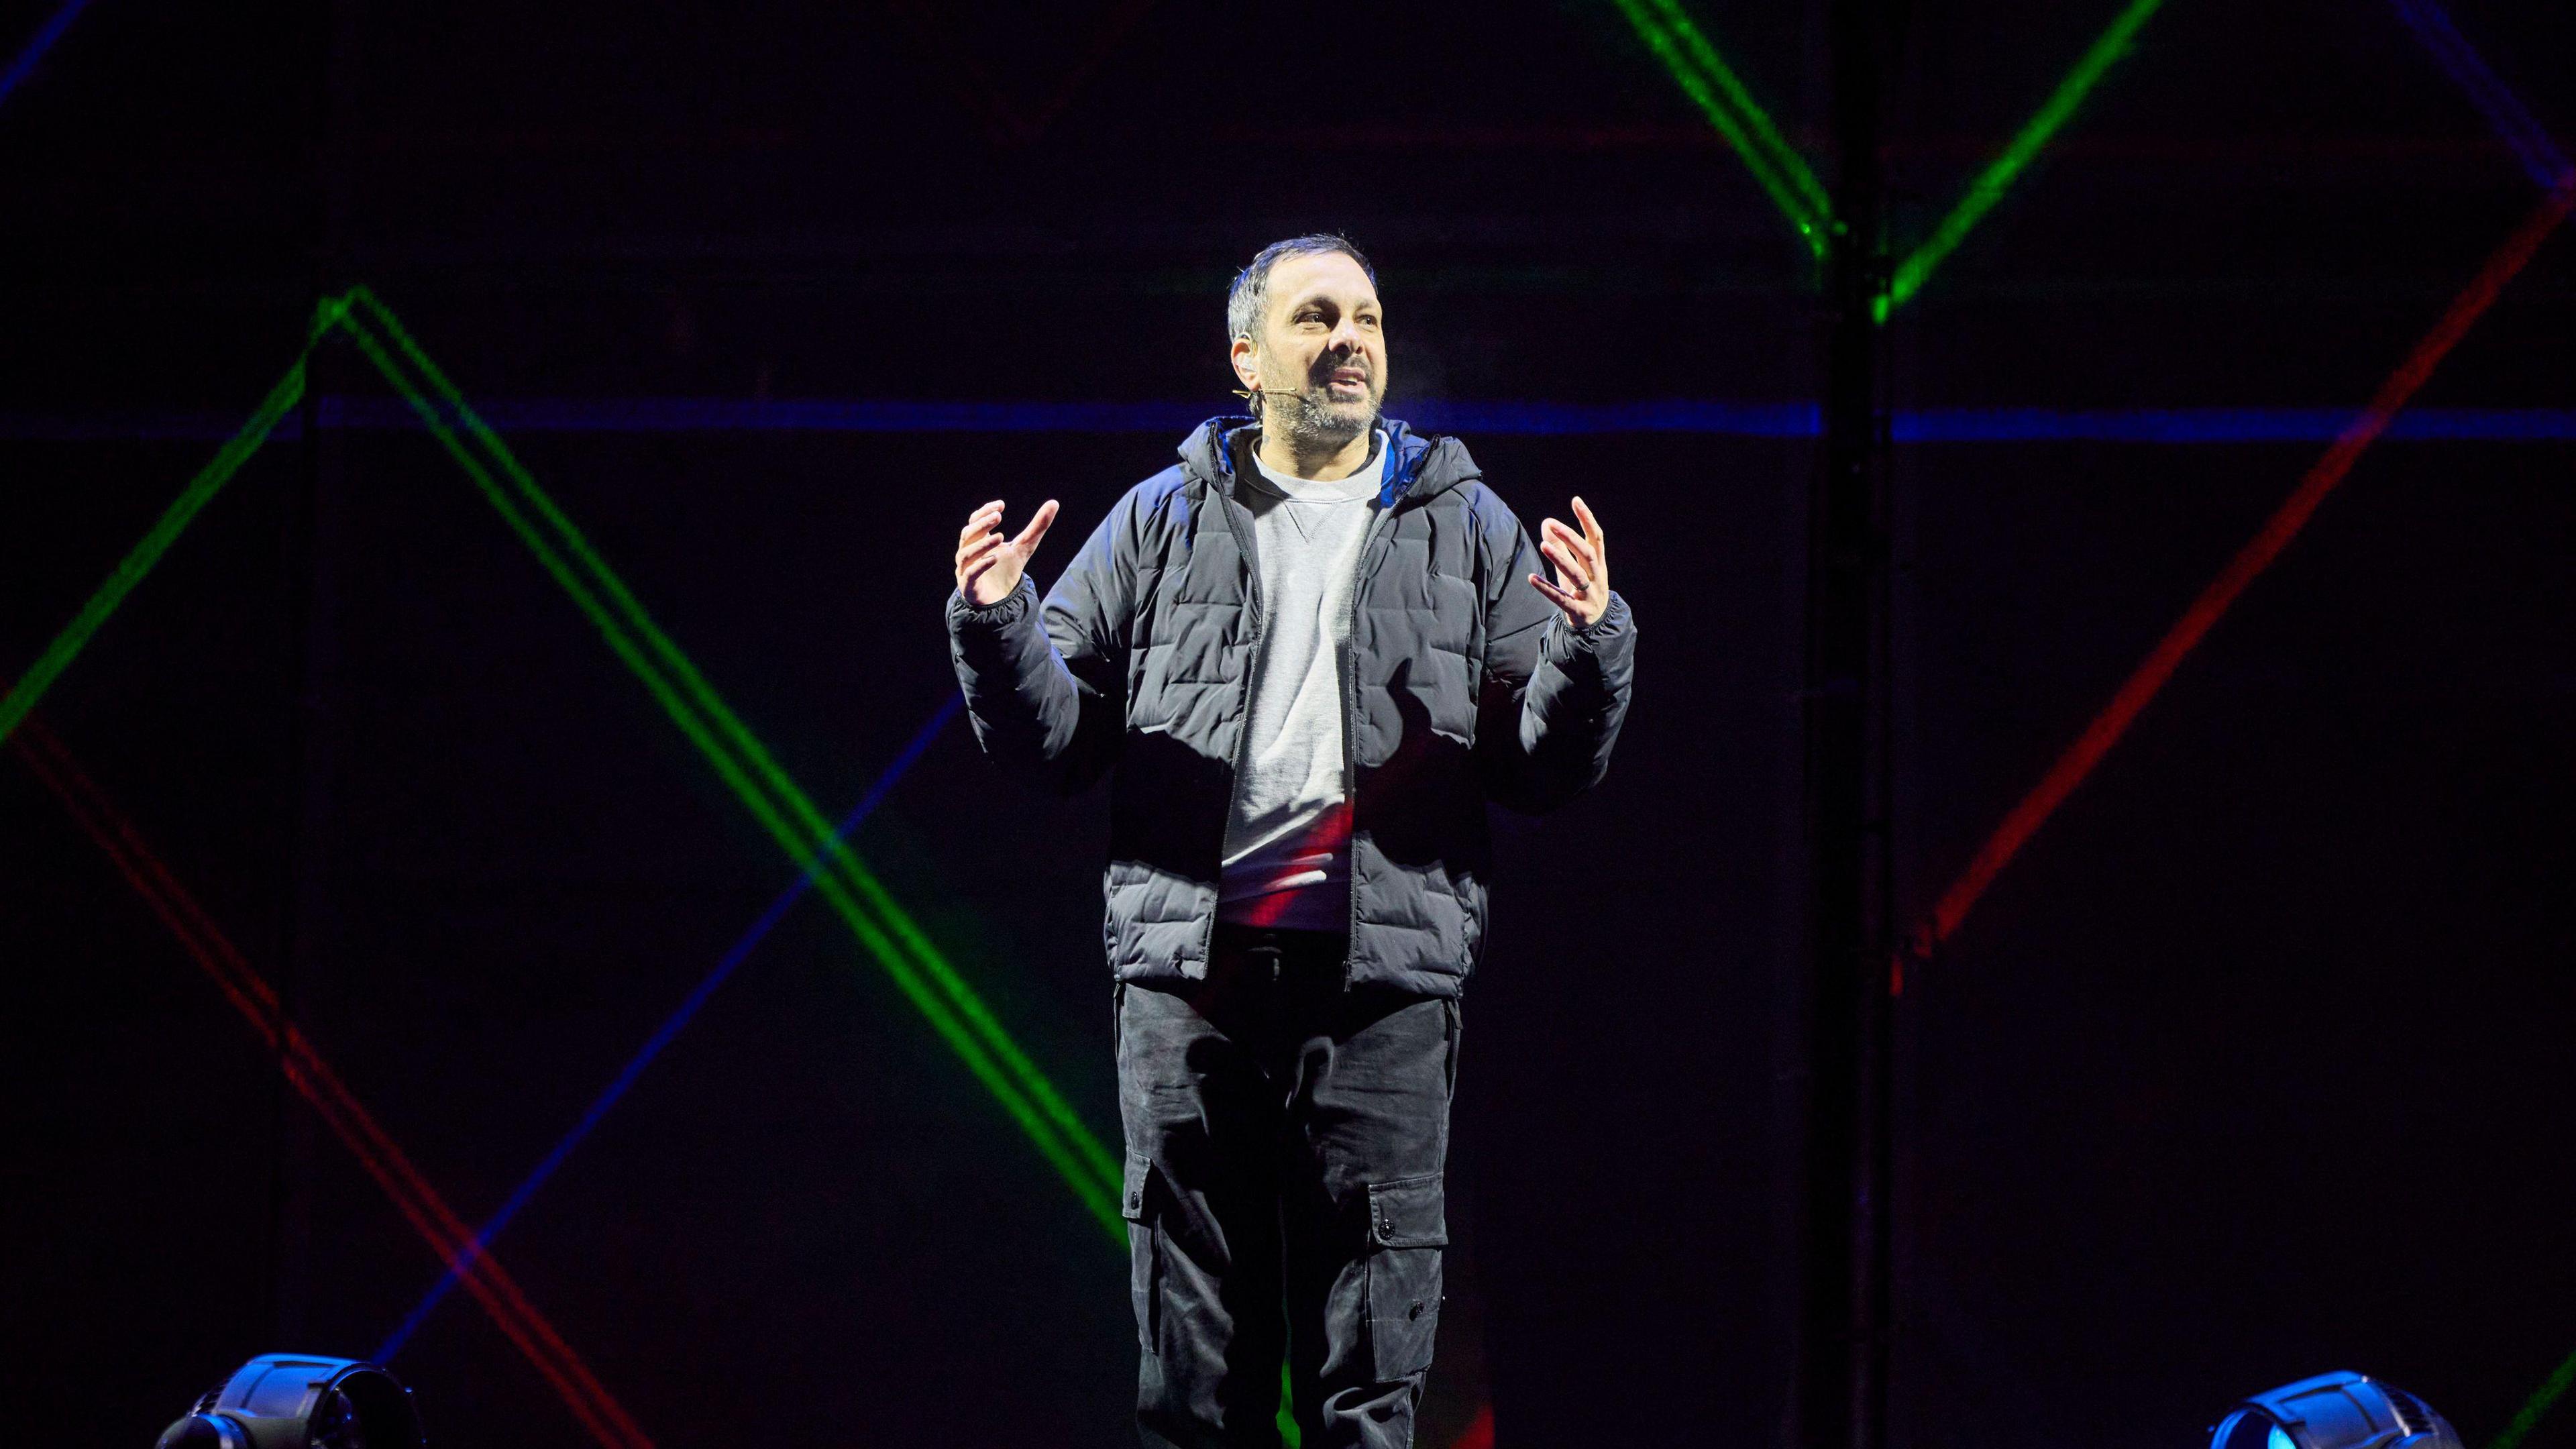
x: 1287, y: 859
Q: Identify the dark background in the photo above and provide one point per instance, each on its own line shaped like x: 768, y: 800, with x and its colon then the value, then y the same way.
x: 2246, y: 1070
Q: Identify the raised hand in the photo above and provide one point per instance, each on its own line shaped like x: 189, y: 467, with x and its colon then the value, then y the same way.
x: 1582, y: 563
x: 988, y: 565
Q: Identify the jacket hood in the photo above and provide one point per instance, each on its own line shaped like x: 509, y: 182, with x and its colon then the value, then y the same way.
x: 1426, y: 465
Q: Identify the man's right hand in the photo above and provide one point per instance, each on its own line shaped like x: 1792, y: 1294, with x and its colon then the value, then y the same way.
x: 988, y: 565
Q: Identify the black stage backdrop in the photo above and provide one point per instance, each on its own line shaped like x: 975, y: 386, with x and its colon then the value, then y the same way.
x: 2244, y: 1070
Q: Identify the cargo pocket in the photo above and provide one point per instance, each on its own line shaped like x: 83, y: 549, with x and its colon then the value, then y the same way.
x: 1144, y: 1253
x: 1407, y: 1230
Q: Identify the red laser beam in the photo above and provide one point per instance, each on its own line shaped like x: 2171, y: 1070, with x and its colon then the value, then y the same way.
x: 2257, y: 555
x: 314, y: 1079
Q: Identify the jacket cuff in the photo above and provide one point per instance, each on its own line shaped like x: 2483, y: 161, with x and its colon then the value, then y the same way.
x: 1613, y: 622
x: 964, y: 613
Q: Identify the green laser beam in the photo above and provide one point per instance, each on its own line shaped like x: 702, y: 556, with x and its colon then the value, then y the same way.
x: 1999, y: 174
x: 757, y: 753
x: 1696, y: 67
x: 955, y: 1011
x: 1784, y: 157
x: 1776, y: 146
x: 1713, y: 86
x: 165, y: 531
x: 753, y: 750
x: 2550, y: 1391
x: 919, y: 969
x: 635, y: 657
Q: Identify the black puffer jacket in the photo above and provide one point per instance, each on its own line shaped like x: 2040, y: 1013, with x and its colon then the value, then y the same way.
x: 1462, y: 684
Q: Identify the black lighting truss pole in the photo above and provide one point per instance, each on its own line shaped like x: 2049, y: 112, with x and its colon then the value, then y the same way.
x: 307, y: 931
x: 1841, y: 1398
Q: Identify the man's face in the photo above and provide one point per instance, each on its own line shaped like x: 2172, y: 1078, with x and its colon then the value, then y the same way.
x: 1320, y: 363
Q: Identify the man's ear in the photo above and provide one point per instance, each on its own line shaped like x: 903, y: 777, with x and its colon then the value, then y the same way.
x: 1244, y: 356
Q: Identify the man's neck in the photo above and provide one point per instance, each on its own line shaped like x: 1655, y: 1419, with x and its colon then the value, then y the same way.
x: 1310, y: 459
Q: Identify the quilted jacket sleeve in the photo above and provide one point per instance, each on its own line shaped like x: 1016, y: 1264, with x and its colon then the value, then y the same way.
x: 1553, y: 696
x: 1046, y: 688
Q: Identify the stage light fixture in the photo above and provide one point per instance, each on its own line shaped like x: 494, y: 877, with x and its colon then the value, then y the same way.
x: 298, y: 1401
x: 2335, y: 1411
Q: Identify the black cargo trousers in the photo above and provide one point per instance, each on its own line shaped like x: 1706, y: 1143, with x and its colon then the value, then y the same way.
x: 1285, y: 1141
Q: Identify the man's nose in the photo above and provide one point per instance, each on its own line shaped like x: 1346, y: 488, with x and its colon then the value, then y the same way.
x: 1346, y: 336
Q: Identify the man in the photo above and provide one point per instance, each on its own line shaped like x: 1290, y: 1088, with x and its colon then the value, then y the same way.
x: 1311, y: 651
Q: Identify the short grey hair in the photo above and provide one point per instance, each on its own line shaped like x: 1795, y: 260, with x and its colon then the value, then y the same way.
x: 1247, y: 302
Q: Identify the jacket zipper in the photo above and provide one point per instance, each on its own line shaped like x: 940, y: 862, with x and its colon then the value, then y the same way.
x: 1362, y: 570
x: 1224, y: 495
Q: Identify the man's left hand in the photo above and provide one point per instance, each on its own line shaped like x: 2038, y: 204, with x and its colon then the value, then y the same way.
x: 1582, y: 563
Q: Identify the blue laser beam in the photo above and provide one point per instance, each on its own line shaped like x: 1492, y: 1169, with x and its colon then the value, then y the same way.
x: 664, y: 1035
x: 1500, y: 419
x: 2225, y: 425
x: 36, y: 46
x: 2512, y: 120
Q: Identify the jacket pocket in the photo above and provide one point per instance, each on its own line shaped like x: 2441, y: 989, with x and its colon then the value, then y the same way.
x: 1144, y: 1253
x: 1408, y: 1227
